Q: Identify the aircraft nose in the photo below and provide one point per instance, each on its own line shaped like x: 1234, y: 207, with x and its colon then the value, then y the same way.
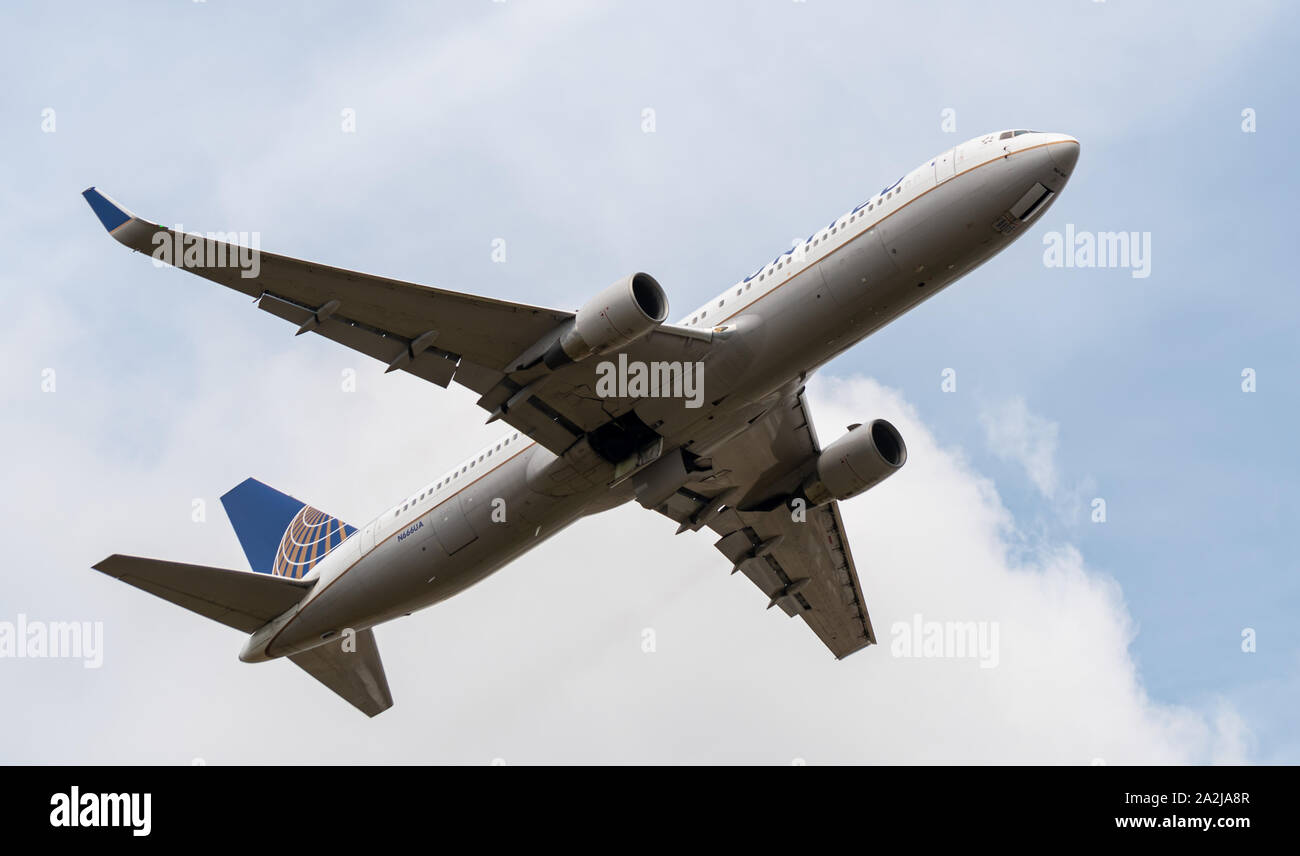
x: 1065, y: 154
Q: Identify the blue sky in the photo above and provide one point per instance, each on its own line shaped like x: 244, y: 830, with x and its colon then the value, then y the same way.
x: 524, y: 121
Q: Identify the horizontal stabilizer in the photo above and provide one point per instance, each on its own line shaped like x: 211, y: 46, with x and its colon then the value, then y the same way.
x: 239, y: 599
x: 350, y: 666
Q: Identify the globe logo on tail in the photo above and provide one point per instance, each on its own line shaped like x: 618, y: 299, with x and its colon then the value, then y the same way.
x: 309, y: 536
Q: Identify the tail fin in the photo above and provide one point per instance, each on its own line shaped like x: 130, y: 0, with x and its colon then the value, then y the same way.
x: 281, y: 535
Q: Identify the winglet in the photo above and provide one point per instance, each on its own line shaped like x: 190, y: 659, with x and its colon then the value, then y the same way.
x: 109, y: 212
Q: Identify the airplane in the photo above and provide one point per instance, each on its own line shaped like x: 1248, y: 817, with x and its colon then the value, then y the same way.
x: 741, y: 459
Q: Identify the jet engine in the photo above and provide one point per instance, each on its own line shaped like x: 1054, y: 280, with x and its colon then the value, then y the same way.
x: 625, y: 311
x: 859, y: 460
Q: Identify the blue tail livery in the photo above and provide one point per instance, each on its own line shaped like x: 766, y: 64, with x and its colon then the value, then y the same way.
x: 281, y: 536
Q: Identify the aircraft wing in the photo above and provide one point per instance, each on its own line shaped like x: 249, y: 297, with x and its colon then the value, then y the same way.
x: 434, y: 334
x: 804, y: 565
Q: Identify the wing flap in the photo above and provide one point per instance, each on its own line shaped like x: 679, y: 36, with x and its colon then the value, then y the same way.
x: 803, y: 564
x: 397, y: 352
x: 810, y: 573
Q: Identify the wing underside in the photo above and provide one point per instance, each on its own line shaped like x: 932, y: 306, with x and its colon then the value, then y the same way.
x: 801, y: 561
x: 437, y: 335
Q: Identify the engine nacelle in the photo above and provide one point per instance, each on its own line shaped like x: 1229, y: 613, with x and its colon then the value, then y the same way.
x: 859, y: 460
x: 625, y: 311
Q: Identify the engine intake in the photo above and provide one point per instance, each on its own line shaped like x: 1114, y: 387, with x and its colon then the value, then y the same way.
x: 859, y: 460
x: 625, y: 311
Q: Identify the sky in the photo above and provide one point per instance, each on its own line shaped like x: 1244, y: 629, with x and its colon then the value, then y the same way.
x: 693, y: 141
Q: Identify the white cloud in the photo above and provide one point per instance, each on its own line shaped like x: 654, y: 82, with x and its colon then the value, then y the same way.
x: 542, y: 661
x: 1017, y: 434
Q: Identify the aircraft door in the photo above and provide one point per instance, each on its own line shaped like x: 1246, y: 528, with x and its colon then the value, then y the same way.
x: 451, y: 526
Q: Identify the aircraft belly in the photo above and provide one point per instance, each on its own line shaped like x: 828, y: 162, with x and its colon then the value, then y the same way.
x: 449, y: 575
x: 404, y: 574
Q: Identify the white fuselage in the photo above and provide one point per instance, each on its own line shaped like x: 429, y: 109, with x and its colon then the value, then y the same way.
x: 847, y: 280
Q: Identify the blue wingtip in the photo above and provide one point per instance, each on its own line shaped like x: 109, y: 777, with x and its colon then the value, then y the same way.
x: 109, y: 212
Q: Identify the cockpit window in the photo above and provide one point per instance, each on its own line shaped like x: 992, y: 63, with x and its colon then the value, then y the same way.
x: 1006, y: 135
